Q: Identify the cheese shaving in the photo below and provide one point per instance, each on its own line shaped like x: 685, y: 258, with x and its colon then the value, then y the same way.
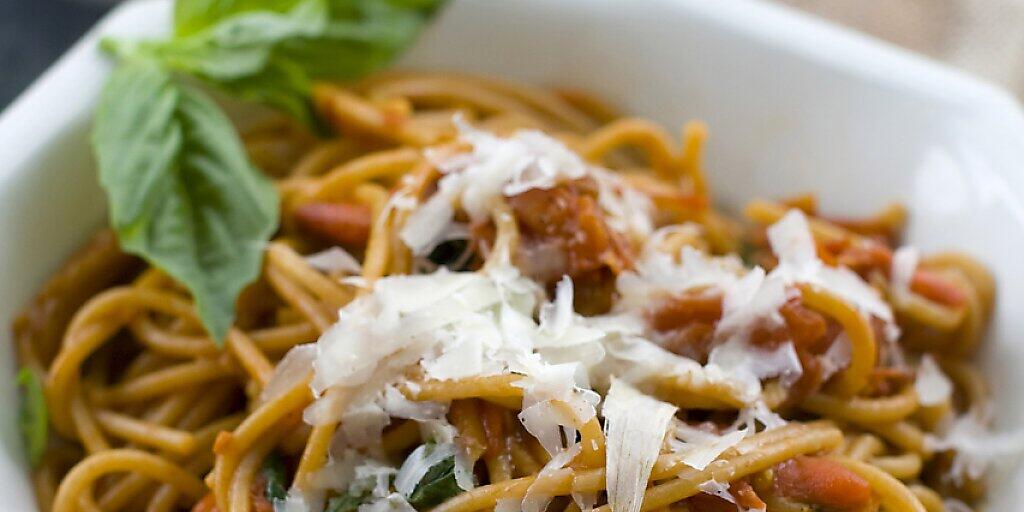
x: 904, y: 264
x: 536, y: 500
x: 335, y: 259
x: 633, y: 442
x: 792, y: 243
x: 933, y: 387
x: 701, y: 447
x: 716, y: 488
x: 290, y: 371
x: 499, y: 167
x: 976, y: 447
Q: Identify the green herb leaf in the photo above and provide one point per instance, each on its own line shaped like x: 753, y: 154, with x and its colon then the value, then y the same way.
x: 191, y: 16
x: 273, y: 472
x: 33, y: 415
x: 182, y: 193
x: 270, y: 51
x: 346, y: 503
x: 437, y: 485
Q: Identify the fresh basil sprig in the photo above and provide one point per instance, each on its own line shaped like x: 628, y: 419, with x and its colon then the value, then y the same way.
x: 182, y: 193
x: 32, y: 416
x: 270, y: 51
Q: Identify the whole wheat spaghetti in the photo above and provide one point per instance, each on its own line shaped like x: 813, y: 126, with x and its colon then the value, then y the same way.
x: 489, y: 296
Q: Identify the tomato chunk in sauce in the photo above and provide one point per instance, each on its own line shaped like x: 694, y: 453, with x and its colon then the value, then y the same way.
x: 564, y: 232
x: 686, y: 326
x: 823, y: 483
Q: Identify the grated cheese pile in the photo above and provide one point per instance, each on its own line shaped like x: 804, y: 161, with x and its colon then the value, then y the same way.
x: 449, y: 325
x: 497, y: 167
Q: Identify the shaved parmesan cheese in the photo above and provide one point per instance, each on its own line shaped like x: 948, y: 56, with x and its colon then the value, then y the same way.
x: 657, y: 274
x: 636, y: 360
x: 334, y: 259
x: 699, y: 447
x: 757, y: 413
x: 425, y: 229
x: 476, y: 181
x: 716, y: 488
x: 751, y: 299
x: 749, y: 364
x: 792, y: 242
x: 904, y: 264
x: 292, y: 369
x: 976, y: 447
x: 553, y: 404
x: 837, y: 357
x: 633, y: 442
x: 933, y: 387
x: 536, y: 500
x: 628, y: 210
x: 396, y: 405
x: 497, y: 167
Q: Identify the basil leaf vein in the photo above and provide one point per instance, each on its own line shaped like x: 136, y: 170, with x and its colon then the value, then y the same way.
x: 182, y: 193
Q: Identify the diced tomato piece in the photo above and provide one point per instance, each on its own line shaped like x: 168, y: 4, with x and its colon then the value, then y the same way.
x: 565, y: 229
x: 806, y: 327
x: 821, y: 482
x: 937, y: 288
x: 338, y: 223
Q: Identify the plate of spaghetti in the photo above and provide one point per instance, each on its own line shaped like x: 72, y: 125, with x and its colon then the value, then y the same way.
x: 413, y: 289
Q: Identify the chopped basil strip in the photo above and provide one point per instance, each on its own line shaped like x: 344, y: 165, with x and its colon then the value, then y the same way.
x: 32, y: 416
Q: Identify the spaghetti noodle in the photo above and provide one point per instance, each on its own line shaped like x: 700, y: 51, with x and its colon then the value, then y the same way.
x: 540, y: 309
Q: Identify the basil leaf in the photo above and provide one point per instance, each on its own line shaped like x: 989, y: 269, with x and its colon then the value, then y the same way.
x: 345, y: 503
x: 437, y: 485
x: 191, y: 16
x: 281, y: 85
x: 269, y: 51
x: 274, y: 475
x: 237, y: 47
x: 33, y: 415
x: 182, y: 194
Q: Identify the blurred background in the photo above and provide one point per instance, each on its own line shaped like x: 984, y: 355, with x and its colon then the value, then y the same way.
x: 985, y: 37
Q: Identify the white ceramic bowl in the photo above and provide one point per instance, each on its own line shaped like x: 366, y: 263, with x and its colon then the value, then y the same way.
x: 793, y: 105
